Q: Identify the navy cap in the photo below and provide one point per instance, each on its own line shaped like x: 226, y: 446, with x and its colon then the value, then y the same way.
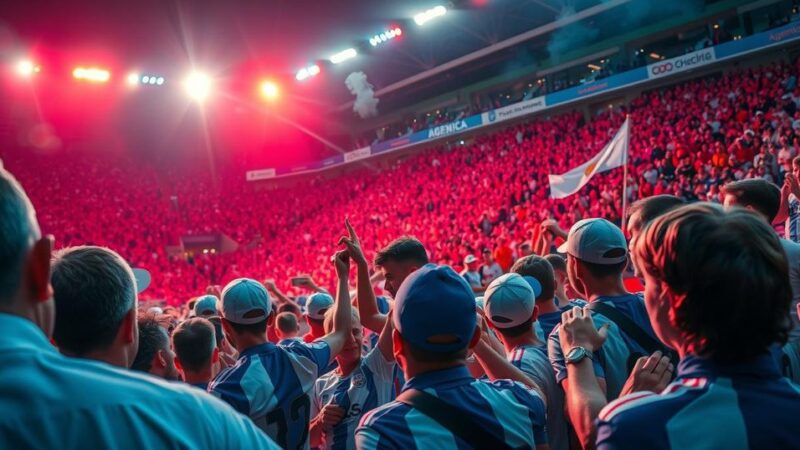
x: 435, y: 310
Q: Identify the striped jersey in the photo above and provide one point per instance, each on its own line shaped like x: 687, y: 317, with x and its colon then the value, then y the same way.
x: 709, y: 406
x: 548, y: 321
x: 619, y: 351
x: 792, y: 227
x: 369, y: 386
x: 506, y: 409
x: 532, y: 360
x: 271, y: 385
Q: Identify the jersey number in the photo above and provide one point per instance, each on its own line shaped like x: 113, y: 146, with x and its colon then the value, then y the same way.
x: 278, y: 417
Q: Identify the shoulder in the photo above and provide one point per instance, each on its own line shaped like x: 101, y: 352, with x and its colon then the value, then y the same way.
x: 640, y: 407
x: 519, y: 393
x: 389, y: 412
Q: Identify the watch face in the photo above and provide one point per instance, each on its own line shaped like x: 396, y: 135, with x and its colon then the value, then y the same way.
x: 576, y: 354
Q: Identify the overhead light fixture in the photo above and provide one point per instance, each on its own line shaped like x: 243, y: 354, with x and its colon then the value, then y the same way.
x: 91, y: 74
x: 344, y: 55
x: 385, y: 36
x: 426, y: 16
x: 307, y: 72
x: 198, y: 86
x: 26, y: 68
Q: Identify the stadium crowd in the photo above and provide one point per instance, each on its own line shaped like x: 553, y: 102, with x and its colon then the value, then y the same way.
x: 687, y: 140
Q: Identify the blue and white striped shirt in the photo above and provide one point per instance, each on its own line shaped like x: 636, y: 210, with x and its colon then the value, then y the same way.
x: 619, y: 351
x: 792, y: 226
x: 369, y: 386
x: 532, y: 360
x: 271, y: 384
x: 506, y: 409
x: 48, y: 400
x: 709, y: 406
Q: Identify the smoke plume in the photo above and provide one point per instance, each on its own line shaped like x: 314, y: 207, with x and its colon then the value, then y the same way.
x: 365, y: 105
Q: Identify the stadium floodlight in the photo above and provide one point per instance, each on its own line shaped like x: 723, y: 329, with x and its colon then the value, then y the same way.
x: 91, y: 74
x: 426, y: 16
x: 385, y: 36
x: 132, y: 79
x: 198, y: 86
x: 307, y: 72
x: 26, y: 68
x: 270, y: 90
x: 344, y: 55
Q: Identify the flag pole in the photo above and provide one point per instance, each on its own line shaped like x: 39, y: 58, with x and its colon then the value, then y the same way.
x: 625, y: 174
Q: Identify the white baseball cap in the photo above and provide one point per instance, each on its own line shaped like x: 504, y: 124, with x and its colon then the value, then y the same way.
x: 317, y: 304
x: 245, y: 301
x: 509, y: 301
x: 469, y: 259
x: 596, y: 241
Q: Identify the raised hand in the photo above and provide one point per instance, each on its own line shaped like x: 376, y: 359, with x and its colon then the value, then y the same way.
x: 651, y: 373
x: 577, y: 330
x: 353, y: 244
x: 341, y: 260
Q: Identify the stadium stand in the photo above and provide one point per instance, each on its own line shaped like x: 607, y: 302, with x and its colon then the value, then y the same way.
x: 687, y: 140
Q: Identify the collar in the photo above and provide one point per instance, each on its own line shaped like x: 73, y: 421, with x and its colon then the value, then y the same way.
x: 452, y: 376
x: 762, y: 366
x: 266, y: 347
x: 20, y: 333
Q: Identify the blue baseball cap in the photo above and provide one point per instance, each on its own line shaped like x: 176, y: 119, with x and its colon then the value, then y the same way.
x: 245, y: 301
x: 317, y: 304
x: 596, y: 241
x: 206, y: 306
x: 435, y: 310
x: 142, y: 277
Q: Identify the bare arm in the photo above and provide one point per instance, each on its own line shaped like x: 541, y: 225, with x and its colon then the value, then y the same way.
x: 497, y: 367
x: 371, y: 318
x: 584, y: 398
x: 273, y: 289
x: 783, y: 209
x: 343, y: 315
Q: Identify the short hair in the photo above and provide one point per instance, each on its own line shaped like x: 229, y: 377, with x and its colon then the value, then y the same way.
x: 539, y: 268
x: 93, y: 289
x: 717, y: 261
x: 194, y: 341
x: 257, y: 329
x: 290, y: 307
x: 17, y: 227
x: 796, y: 161
x: 403, y: 249
x: 152, y: 338
x: 651, y: 207
x: 758, y: 193
x: 517, y: 330
x: 557, y: 261
x: 330, y: 315
x: 604, y: 270
x: 286, y: 322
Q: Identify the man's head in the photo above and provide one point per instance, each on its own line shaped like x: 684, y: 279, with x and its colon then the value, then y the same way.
x: 488, y: 259
x: 541, y: 270
x: 643, y: 211
x: 471, y: 262
x: 316, y: 307
x: 24, y: 258
x: 710, y: 275
x: 561, y: 280
x: 525, y: 249
x: 597, y: 255
x: 155, y: 355
x: 352, y: 348
x: 434, y: 319
x: 286, y: 326
x: 96, y: 305
x: 796, y: 167
x: 206, y: 306
x: 510, y: 305
x: 398, y: 259
x: 195, y: 347
x: 246, y: 310
x: 755, y: 194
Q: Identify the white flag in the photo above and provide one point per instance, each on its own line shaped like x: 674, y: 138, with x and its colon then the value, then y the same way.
x: 615, y: 154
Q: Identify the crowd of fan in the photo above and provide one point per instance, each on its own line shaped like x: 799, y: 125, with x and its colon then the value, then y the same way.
x: 555, y: 353
x: 686, y: 140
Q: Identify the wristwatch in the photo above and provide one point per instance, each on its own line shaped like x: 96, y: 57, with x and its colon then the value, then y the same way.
x: 577, y: 354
